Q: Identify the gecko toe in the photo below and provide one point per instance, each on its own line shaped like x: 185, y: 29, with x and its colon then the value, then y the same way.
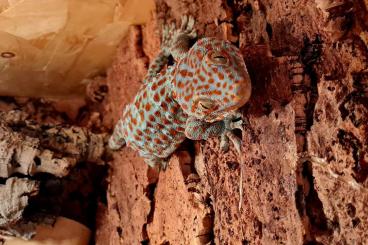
x: 224, y: 143
x: 237, y: 142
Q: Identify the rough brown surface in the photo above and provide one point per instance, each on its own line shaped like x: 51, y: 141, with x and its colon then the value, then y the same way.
x: 47, y: 167
x: 304, y: 164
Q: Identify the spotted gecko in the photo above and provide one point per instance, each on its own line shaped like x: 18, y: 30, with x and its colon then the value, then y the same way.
x: 196, y: 98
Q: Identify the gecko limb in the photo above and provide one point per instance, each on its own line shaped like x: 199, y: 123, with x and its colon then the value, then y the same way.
x: 154, y: 161
x: 201, y: 130
x: 197, y: 129
x: 175, y: 42
x: 116, y: 141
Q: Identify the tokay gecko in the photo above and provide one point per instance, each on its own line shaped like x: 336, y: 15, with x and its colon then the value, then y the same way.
x: 197, y: 97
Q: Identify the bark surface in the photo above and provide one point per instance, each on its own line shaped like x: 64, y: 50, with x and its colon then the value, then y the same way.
x: 305, y: 163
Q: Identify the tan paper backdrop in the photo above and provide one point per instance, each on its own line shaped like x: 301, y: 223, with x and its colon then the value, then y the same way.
x: 52, y: 47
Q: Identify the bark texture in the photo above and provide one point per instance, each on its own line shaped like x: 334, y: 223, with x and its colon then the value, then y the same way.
x: 39, y: 176
x: 305, y: 163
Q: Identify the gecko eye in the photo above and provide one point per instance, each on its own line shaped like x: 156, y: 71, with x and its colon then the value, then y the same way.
x: 206, y: 104
x: 216, y: 58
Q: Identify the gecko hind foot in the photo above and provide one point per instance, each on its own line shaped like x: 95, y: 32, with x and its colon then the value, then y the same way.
x: 115, y: 144
x: 154, y: 161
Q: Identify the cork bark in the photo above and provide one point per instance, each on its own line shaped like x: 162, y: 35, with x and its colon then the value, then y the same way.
x: 39, y: 176
x: 304, y: 164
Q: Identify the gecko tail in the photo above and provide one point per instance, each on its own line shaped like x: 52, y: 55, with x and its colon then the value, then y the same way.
x: 116, y: 140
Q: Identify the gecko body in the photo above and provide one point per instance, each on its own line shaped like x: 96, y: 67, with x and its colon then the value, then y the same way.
x: 197, y: 97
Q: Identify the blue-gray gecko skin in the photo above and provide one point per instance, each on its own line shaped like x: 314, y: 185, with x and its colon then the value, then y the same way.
x: 196, y: 98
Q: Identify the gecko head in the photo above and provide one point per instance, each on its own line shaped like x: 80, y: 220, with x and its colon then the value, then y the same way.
x: 212, y: 81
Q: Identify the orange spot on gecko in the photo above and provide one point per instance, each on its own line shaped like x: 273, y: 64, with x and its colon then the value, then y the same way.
x: 168, y: 100
x: 217, y: 92
x: 195, y: 81
x: 187, y: 98
x: 166, y: 122
x: 139, y: 132
x: 202, y: 78
x: 172, y: 132
x: 154, y: 86
x: 161, y: 82
x: 221, y: 76
x: 156, y: 98
x: 160, y: 126
x: 183, y: 73
x: 211, y: 81
x: 141, y: 114
x: 162, y: 91
x: 206, y: 87
x: 151, y: 118
x: 157, y: 141
x: 157, y: 113
x: 164, y: 137
x: 164, y: 106
x: 147, y: 107
x: 174, y: 110
x: 134, y: 121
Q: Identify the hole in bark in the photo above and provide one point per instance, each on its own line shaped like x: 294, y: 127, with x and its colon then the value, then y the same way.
x: 7, y: 55
x: 267, y: 108
x: 352, y: 144
x: 269, y: 30
x: 119, y: 230
x: 330, y: 88
x: 300, y: 201
x: 270, y: 196
x: 351, y: 210
x: 232, y: 165
x: 37, y: 161
x: 150, y: 192
x: 103, y: 88
x: 355, y: 222
x: 313, y: 243
x: 13, y: 161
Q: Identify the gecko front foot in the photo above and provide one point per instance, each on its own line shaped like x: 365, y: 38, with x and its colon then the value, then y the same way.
x: 228, y: 134
x: 177, y: 41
